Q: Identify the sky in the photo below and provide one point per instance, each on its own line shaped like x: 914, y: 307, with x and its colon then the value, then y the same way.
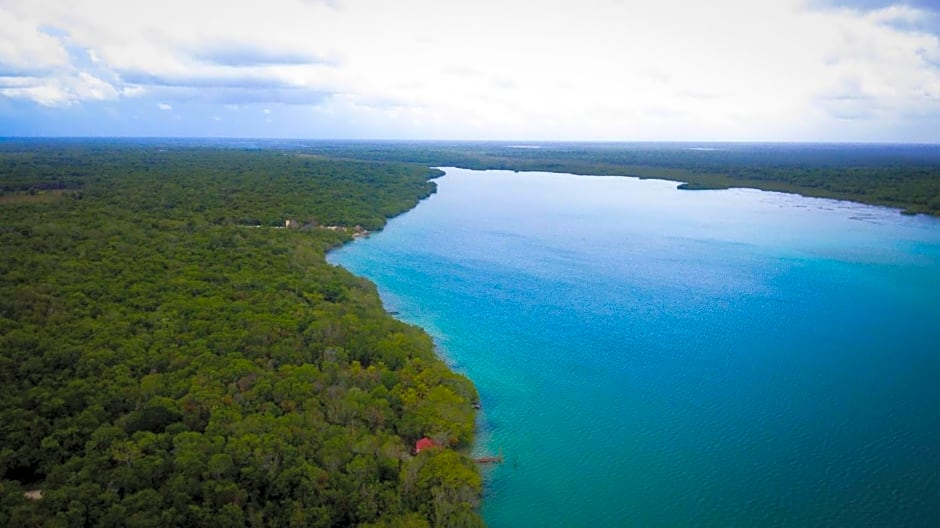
x: 609, y: 70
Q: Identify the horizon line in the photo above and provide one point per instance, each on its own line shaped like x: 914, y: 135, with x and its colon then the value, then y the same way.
x: 519, y: 142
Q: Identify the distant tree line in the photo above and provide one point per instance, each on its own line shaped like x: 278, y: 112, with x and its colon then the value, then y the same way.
x: 902, y: 176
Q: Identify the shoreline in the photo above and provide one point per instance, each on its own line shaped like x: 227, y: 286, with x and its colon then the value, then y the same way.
x: 511, y: 412
x: 470, y: 451
x: 902, y: 176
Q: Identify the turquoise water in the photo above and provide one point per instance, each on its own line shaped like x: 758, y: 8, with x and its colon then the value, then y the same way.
x: 654, y: 357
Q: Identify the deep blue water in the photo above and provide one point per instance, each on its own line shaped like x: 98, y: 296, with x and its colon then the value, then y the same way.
x: 654, y: 357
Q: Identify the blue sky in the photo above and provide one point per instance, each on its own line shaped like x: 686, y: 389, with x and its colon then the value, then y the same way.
x: 739, y: 70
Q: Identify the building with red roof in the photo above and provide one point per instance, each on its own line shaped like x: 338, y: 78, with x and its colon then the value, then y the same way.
x: 424, y: 443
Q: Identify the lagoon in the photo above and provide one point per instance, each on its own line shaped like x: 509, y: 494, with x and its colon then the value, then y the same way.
x: 655, y: 357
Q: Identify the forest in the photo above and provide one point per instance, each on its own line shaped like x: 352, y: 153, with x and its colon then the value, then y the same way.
x: 176, y: 351
x: 906, y: 177
x: 173, y: 355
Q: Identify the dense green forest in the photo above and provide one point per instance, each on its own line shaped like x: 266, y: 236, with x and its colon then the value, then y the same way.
x: 171, y: 355
x: 902, y: 176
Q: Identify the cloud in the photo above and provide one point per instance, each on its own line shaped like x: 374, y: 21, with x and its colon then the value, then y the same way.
x: 882, y: 70
x: 164, y: 106
x: 874, y: 5
x: 234, y: 95
x: 907, y: 15
x: 234, y: 79
x: 61, y: 90
x: 594, y: 69
x: 849, y: 107
x: 240, y: 55
x: 25, y: 47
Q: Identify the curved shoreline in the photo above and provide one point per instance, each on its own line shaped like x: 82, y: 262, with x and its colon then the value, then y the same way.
x: 466, y: 452
x: 433, y: 291
x: 902, y: 176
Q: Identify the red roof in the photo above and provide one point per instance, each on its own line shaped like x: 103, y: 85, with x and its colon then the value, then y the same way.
x: 424, y: 443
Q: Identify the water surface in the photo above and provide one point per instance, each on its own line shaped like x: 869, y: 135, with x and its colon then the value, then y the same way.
x: 655, y: 357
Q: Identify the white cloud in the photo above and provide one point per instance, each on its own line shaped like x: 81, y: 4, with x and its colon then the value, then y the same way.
x: 164, y: 106
x: 605, y: 69
x: 89, y: 87
x: 24, y: 46
x: 61, y: 90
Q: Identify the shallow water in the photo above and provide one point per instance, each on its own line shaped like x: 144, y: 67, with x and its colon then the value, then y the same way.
x: 655, y: 357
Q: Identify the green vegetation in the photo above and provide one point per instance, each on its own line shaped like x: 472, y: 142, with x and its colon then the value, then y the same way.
x: 164, y: 362
x: 172, y: 355
x: 902, y: 176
